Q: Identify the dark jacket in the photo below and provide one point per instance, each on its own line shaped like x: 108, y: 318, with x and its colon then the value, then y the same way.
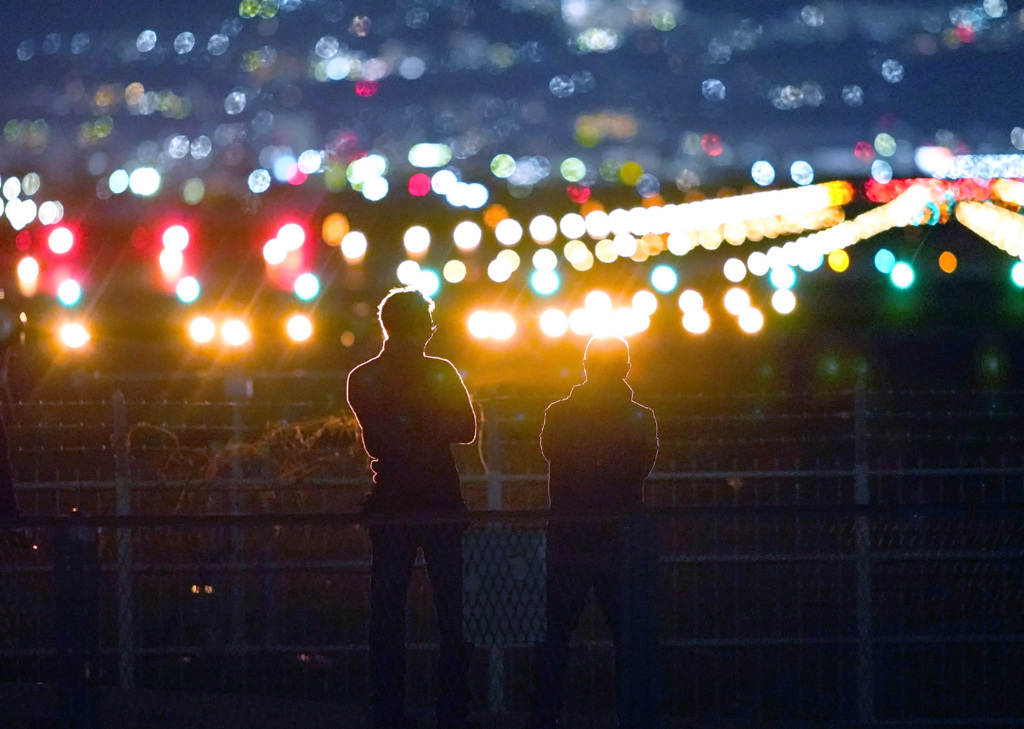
x: 410, y: 408
x: 600, y: 446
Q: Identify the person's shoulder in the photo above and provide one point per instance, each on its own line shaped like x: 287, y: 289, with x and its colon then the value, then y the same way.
x: 363, y: 370
x: 439, y: 365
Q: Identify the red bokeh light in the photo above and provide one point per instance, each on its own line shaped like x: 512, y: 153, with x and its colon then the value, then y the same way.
x: 419, y: 184
x: 366, y: 88
x: 577, y: 193
x: 711, y: 144
x: 297, y: 177
x: 864, y: 151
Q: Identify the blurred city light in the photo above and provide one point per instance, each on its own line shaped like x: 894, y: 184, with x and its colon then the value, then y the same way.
x: 554, y: 323
x: 690, y: 300
x: 544, y: 282
x: 61, y: 240
x: 291, y: 236
x: 353, y: 246
x: 235, y: 332
x: 299, y: 328
x: 69, y: 292
x: 171, y: 261
x: 751, y: 320
x: 737, y: 301
x: 175, y: 237
x: 784, y: 301
x: 664, y: 278
x: 902, y: 275
x: 307, y: 286
x: 202, y: 329
x: 1017, y: 274
x: 187, y: 289
x: 696, y: 321
x: 74, y: 335
x: 28, y: 270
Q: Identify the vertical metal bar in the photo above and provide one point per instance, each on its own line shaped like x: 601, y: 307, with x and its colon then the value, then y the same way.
x: 125, y: 554
x: 862, y: 497
x: 492, y: 453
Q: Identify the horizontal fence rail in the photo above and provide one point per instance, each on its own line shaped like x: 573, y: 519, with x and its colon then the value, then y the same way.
x: 850, y: 559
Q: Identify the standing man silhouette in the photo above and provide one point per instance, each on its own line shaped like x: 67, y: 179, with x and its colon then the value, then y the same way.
x: 410, y: 408
x: 600, y: 446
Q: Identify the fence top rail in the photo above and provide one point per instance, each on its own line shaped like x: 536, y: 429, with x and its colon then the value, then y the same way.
x: 515, y: 516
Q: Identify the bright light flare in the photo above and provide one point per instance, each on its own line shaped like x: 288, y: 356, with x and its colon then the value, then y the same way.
x: 737, y: 301
x: 235, y: 332
x: 598, y: 303
x: 187, y: 289
x: 274, y: 252
x: 74, y: 336
x: 28, y: 270
x: 353, y: 246
x: 171, y: 261
x: 554, y: 323
x: 69, y: 292
x: 664, y: 278
x: 176, y: 237
x: 645, y: 302
x: 306, y: 286
x: 751, y: 320
x: 690, y: 300
x: 61, y: 240
x: 467, y: 235
x: 299, y: 328
x: 416, y: 240
x: 491, y: 325
x: 696, y: 321
x: 202, y: 329
x: 292, y: 236
x: 784, y: 301
x: 735, y: 270
x: 902, y: 275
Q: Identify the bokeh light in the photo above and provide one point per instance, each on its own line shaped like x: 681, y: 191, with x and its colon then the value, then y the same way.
x: 61, y: 240
x: 902, y: 275
x: 508, y: 232
x: 176, y: 237
x: 751, y: 320
x: 274, y: 252
x: 307, y: 286
x: 299, y: 328
x: 74, y: 335
x: 664, y: 278
x: 690, y: 300
x: 544, y: 281
x: 235, y: 332
x: 947, y: 262
x: 543, y: 229
x: 202, y: 329
x: 69, y: 292
x: 171, y: 261
x: 554, y: 323
x: 454, y: 271
x: 884, y: 260
x: 838, y: 260
x: 353, y: 246
x: 784, y: 301
x: 736, y: 301
x: 696, y: 321
x: 645, y: 302
x: 467, y: 235
x: 28, y: 270
x: 1017, y: 274
x: 783, y: 277
x: 187, y: 289
x: 291, y: 236
x: 416, y: 240
x: 734, y: 270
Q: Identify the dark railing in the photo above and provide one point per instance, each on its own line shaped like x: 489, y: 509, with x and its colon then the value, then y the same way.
x: 844, y: 559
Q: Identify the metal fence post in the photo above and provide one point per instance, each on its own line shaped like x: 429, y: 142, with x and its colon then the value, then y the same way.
x: 492, y: 452
x: 125, y: 554
x: 862, y: 530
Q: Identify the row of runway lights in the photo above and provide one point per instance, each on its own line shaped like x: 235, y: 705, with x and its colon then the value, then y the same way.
x: 598, y: 316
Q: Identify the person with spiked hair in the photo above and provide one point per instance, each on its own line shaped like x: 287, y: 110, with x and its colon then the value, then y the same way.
x: 411, y: 407
x: 600, y: 445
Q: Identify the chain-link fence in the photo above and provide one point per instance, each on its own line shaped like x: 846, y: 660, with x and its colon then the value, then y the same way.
x: 849, y: 559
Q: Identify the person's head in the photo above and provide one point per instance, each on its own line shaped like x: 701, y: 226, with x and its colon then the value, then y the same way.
x: 405, y: 316
x: 606, y: 358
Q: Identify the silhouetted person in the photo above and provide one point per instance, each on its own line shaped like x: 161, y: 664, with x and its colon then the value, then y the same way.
x: 600, y: 446
x: 411, y: 407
